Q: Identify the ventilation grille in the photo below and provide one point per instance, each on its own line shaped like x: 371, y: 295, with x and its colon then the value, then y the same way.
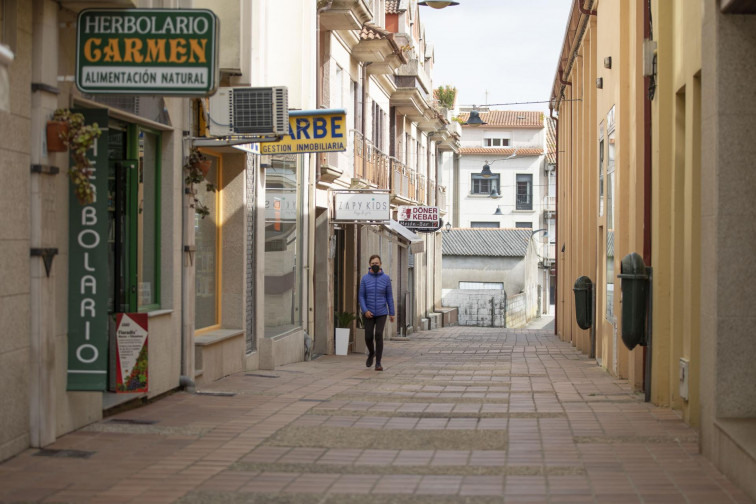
x: 249, y: 111
x: 260, y: 111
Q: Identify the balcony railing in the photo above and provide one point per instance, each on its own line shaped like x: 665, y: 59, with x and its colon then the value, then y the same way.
x: 421, y: 195
x: 370, y: 164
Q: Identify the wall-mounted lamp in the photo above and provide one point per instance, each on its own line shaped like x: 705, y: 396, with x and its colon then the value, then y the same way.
x: 608, y: 62
x: 487, y: 173
x: 437, y: 4
x: 600, y: 83
x: 498, y: 210
x: 533, y: 233
x: 448, y: 227
x: 474, y: 119
x: 494, y: 192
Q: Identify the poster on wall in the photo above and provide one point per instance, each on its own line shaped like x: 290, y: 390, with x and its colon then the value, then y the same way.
x: 132, y: 358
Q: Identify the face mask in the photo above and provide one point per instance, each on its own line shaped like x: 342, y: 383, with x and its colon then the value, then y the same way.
x: 375, y: 268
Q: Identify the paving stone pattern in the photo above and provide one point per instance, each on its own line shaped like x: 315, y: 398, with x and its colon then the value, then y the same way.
x: 460, y: 415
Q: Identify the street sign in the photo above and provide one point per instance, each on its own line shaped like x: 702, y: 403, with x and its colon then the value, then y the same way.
x: 419, y: 218
x: 147, y: 51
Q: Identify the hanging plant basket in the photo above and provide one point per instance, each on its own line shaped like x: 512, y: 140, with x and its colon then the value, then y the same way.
x: 204, y: 166
x: 197, y: 166
x: 57, y: 131
x: 78, y: 138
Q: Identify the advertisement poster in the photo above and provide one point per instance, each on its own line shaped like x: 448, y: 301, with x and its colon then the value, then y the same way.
x: 131, y: 345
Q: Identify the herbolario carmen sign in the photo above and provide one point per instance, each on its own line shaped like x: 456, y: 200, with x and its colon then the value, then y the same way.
x: 419, y: 218
x: 147, y: 51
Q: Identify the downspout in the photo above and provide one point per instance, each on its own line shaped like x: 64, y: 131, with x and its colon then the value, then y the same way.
x: 648, y: 35
x: 556, y: 215
x: 364, y: 115
x: 585, y: 11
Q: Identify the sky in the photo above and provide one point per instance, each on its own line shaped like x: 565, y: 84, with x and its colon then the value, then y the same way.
x: 497, y: 51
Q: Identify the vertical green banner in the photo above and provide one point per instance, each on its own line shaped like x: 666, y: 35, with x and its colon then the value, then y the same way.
x: 88, y: 276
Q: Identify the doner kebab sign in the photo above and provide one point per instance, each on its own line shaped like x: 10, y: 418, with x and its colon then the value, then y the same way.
x: 147, y: 51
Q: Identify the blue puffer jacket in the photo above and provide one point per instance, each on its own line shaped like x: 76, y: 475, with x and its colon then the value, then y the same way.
x: 375, y: 294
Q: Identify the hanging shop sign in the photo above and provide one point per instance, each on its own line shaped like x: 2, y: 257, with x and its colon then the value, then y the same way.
x: 311, y: 131
x: 131, y: 345
x: 147, y: 51
x: 361, y: 206
x: 88, y: 277
x: 419, y: 218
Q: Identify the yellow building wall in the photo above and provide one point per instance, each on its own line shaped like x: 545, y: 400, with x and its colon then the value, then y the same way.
x: 676, y: 202
x: 617, y: 32
x: 610, y: 50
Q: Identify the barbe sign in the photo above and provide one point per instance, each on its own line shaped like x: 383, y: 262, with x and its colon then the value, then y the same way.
x: 147, y: 51
x: 419, y: 218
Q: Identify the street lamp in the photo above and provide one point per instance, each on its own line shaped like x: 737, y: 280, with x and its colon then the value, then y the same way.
x: 498, y: 210
x: 437, y: 4
x: 474, y: 119
x: 486, y: 172
x: 448, y: 227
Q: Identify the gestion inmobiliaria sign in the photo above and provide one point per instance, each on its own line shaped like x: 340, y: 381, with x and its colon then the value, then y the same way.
x: 147, y: 51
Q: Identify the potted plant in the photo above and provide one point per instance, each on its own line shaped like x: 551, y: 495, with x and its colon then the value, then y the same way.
x: 197, y: 166
x: 78, y: 138
x: 343, y: 321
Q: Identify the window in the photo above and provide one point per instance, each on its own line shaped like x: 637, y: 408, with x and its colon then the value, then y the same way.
x: 524, y: 225
x: 524, y: 192
x: 282, y: 290
x: 207, y: 243
x: 495, y: 142
x: 481, y: 224
x: 481, y: 285
x: 482, y: 185
x: 610, y: 153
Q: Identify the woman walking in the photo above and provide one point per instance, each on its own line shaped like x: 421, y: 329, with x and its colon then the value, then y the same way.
x: 376, y: 302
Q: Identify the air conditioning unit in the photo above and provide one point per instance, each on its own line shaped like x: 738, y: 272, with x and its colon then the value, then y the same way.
x: 249, y: 111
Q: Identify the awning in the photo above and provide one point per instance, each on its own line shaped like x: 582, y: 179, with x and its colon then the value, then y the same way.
x: 416, y: 244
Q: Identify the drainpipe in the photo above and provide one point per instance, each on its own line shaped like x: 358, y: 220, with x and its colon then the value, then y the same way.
x: 584, y: 10
x: 647, y: 203
x: 364, y: 114
x: 556, y: 215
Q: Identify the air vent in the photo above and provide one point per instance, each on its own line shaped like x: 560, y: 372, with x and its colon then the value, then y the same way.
x: 249, y: 111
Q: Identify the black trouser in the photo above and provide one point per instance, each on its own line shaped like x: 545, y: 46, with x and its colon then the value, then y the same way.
x: 374, y: 329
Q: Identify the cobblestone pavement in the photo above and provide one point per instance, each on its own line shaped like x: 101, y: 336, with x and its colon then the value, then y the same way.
x: 460, y: 414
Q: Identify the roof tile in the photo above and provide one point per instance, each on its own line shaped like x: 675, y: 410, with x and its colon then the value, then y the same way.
x: 502, y: 151
x: 509, y: 118
x: 392, y: 7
